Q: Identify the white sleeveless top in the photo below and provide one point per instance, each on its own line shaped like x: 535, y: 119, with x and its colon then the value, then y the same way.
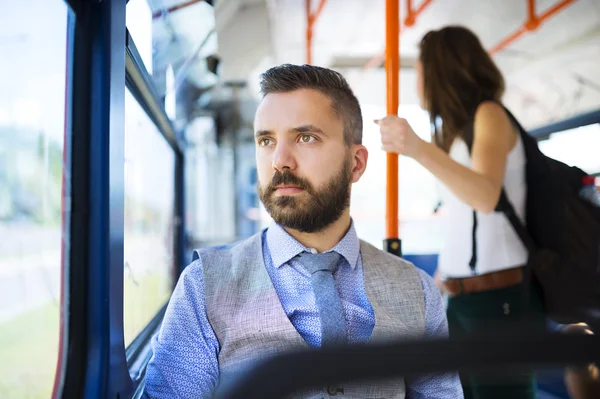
x: 498, y: 246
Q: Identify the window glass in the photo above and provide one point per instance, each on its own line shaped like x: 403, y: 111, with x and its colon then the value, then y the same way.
x: 32, y: 123
x: 174, y: 42
x: 139, y: 24
x: 577, y: 147
x: 149, y: 216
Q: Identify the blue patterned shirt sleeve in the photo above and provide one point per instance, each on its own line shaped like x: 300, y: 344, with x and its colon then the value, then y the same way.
x: 184, y: 362
x: 433, y: 386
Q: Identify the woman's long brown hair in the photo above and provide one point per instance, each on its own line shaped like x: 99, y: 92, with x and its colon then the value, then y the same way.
x: 458, y: 75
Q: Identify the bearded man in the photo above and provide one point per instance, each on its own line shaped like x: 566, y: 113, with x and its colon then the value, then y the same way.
x: 307, y: 281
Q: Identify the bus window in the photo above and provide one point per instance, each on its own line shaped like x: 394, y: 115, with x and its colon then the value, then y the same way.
x: 32, y: 126
x: 139, y: 24
x: 577, y: 147
x: 149, y: 219
x: 160, y: 48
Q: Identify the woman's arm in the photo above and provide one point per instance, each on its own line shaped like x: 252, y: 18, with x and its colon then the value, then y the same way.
x: 478, y: 186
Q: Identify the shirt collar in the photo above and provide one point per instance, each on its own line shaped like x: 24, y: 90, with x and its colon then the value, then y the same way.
x: 283, y: 247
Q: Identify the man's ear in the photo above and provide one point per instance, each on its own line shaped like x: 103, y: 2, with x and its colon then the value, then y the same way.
x: 360, y: 156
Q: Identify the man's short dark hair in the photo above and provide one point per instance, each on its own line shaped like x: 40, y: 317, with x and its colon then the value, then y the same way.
x: 286, y: 78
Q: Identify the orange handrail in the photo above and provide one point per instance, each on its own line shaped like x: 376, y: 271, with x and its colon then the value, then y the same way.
x: 533, y: 22
x: 411, y: 17
x: 411, y: 14
x: 311, y: 18
x: 392, y: 69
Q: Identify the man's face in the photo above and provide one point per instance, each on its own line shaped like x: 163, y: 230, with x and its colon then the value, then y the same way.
x: 304, y: 167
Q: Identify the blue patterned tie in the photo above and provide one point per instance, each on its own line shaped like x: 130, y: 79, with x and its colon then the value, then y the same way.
x: 329, y: 303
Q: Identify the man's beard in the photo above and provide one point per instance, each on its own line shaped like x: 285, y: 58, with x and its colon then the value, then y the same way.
x: 312, y: 210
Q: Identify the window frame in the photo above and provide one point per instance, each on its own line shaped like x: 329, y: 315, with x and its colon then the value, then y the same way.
x: 544, y: 132
x: 102, y: 61
x: 93, y: 362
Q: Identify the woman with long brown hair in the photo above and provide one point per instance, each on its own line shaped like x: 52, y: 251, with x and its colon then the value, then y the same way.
x: 475, y: 152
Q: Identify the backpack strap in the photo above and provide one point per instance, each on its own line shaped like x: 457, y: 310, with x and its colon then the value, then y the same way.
x: 522, y: 131
x: 473, y: 262
x: 504, y: 205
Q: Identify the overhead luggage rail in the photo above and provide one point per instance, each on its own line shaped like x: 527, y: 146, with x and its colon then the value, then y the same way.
x: 533, y: 22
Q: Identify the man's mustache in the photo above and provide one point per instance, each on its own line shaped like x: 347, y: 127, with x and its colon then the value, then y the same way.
x: 287, y: 178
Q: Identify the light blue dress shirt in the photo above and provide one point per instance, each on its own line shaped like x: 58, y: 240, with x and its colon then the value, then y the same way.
x: 185, y: 365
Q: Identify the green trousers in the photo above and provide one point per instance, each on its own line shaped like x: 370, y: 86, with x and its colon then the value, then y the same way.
x: 491, y: 311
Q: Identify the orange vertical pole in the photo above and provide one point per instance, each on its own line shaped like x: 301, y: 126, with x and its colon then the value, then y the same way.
x: 411, y: 17
x: 531, y: 10
x: 392, y: 69
x: 308, y: 32
x: 410, y: 14
x: 311, y: 18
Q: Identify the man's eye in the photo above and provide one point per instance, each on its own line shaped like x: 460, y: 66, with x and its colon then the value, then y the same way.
x: 306, y: 138
x: 264, y: 142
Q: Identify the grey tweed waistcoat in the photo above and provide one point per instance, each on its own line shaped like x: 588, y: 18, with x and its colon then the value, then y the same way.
x: 250, y: 324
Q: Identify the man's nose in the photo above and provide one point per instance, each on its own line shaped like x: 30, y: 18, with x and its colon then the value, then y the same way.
x: 283, y: 157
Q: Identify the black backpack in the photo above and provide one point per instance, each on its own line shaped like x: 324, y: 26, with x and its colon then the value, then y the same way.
x: 561, y: 233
